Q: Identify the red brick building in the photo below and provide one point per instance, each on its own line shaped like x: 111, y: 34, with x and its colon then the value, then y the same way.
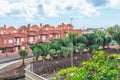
x: 6, y: 43
x: 12, y: 39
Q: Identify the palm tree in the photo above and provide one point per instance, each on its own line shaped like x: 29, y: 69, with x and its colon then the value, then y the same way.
x: 116, y: 37
x: 93, y: 47
x: 59, y: 53
x: 37, y: 52
x: 33, y: 47
x: 82, y: 39
x: 23, y: 54
x: 111, y: 30
x: 66, y: 51
x: 73, y: 37
x: 45, y: 47
x: 52, y: 53
x: 56, y: 44
x: 108, y: 39
x: 81, y: 47
x: 101, y: 38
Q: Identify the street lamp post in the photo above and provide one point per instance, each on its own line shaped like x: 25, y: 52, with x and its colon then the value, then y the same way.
x: 71, y: 20
x: 72, y: 58
x: 73, y: 48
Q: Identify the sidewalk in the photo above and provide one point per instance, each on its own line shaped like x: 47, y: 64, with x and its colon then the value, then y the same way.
x: 11, y: 57
x: 6, y: 64
x: 12, y: 62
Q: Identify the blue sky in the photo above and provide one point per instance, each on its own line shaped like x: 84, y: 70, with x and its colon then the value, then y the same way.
x: 85, y: 13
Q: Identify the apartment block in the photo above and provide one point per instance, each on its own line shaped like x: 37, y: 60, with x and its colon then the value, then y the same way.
x: 12, y: 39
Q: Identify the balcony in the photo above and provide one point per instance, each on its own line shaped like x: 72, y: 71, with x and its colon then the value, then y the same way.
x: 32, y: 42
x: 18, y: 43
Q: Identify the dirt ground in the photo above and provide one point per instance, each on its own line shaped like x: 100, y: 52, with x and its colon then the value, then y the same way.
x: 16, y: 71
x: 49, y: 68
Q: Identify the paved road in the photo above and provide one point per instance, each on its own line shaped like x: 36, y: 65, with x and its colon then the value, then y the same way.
x: 12, y: 58
x: 7, y: 63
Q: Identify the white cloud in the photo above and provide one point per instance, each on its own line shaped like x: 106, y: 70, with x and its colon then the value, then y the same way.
x: 28, y: 9
x: 82, y: 6
x: 4, y: 7
x: 114, y: 3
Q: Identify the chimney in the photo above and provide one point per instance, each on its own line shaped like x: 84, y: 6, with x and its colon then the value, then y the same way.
x: 40, y: 24
x: 4, y: 26
x: 62, y: 23
x: 28, y: 25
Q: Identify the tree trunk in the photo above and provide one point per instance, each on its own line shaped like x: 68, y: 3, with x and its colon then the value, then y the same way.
x: 107, y: 45
x: 81, y: 52
x: 72, y: 59
x: 103, y: 46
x: 51, y: 58
x: 119, y: 44
x: 23, y: 61
x: 74, y: 49
x: 43, y: 61
x: 37, y: 58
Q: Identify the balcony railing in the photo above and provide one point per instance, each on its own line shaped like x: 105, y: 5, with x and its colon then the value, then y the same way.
x: 32, y: 42
x: 18, y: 43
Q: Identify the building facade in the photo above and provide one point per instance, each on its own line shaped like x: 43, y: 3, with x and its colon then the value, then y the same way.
x: 12, y: 39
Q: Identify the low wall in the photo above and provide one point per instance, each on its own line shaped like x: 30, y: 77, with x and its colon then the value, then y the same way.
x: 29, y: 75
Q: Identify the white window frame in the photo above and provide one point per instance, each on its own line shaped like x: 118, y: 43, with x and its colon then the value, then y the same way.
x: 58, y: 36
x: 44, y: 38
x: 50, y: 35
x: 10, y: 41
x: 22, y: 39
x: 31, y: 39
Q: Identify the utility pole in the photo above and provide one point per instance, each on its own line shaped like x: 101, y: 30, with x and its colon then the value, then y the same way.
x: 73, y: 48
x: 71, y: 21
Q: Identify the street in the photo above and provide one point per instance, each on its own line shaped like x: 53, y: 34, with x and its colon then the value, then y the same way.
x: 5, y: 61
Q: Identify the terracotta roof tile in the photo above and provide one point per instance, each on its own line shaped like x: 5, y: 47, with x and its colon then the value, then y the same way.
x: 10, y: 30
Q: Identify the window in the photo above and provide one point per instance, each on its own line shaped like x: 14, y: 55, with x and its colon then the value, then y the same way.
x: 18, y: 41
x: 0, y: 51
x: 23, y: 47
x: 5, y: 41
x: 22, y: 39
x: 36, y: 38
x: 50, y: 35
x: 1, y: 32
x: 46, y: 28
x: 58, y: 36
x: 67, y: 34
x: 31, y: 39
x: 14, y: 31
x: 43, y: 38
x: 16, y: 48
x: 10, y: 41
